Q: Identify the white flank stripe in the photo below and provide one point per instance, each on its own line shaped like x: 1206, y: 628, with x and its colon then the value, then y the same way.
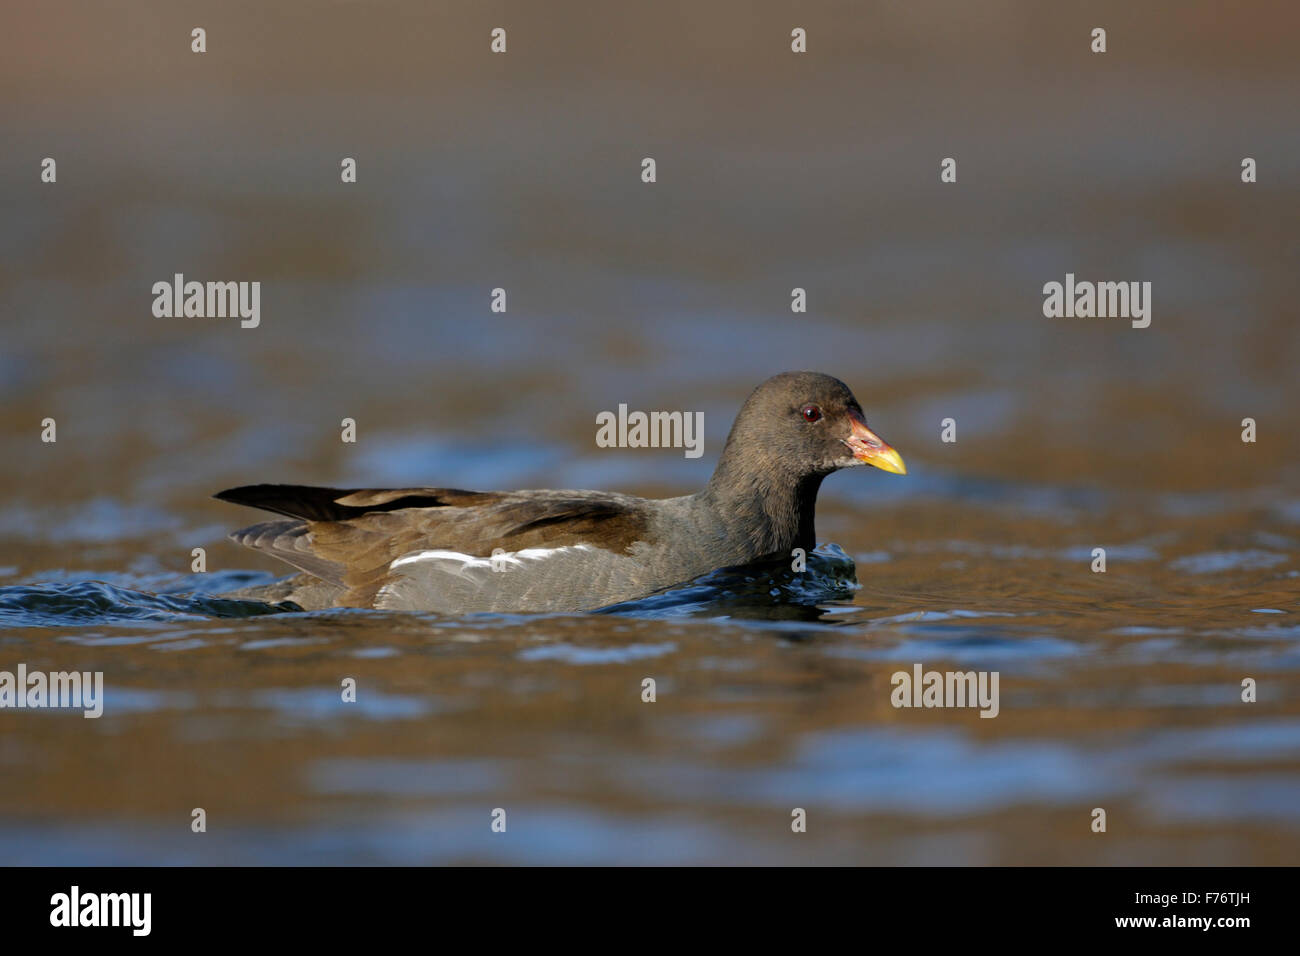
x: 469, y: 562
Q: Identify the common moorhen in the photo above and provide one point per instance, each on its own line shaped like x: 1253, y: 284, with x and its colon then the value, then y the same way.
x: 453, y: 551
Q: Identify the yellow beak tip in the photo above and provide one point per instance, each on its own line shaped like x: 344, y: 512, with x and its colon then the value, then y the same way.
x: 890, y: 461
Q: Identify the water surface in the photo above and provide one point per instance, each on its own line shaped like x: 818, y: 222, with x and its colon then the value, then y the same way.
x: 1119, y: 690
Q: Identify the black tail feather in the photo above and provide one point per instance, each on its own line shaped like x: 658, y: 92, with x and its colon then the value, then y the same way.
x: 294, y: 501
x: 310, y: 503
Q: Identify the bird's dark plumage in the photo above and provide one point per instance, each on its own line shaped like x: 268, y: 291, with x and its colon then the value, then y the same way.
x: 445, y: 549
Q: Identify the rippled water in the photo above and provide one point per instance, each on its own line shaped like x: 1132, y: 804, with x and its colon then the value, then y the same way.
x: 1120, y: 690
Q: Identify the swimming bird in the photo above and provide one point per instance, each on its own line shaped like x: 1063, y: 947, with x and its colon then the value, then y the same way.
x: 456, y: 551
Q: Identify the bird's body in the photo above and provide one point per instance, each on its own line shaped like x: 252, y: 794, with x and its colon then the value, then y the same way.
x: 445, y: 549
x: 441, y: 549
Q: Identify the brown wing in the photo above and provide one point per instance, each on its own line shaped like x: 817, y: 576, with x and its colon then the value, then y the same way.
x: 350, y: 537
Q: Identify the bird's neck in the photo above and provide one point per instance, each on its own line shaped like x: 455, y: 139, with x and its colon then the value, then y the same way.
x: 765, y: 513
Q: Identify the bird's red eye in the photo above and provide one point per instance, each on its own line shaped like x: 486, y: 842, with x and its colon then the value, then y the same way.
x: 811, y: 413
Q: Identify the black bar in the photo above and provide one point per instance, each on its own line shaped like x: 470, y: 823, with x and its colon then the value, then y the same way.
x: 302, y: 905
